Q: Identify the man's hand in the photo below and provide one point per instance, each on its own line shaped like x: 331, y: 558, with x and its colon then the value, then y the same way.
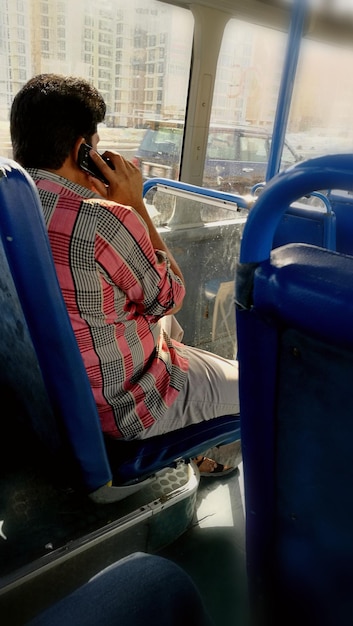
x: 125, y: 181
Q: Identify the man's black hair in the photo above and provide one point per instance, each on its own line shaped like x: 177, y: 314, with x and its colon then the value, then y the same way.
x: 49, y: 114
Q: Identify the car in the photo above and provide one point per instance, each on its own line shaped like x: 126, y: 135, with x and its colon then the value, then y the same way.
x: 236, y: 157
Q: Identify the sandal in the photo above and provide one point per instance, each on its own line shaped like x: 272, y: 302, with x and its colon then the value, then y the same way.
x: 218, y: 470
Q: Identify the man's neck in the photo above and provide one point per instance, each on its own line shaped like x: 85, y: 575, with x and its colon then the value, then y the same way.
x: 72, y: 172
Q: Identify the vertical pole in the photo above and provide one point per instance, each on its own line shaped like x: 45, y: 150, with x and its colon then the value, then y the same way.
x: 286, y: 87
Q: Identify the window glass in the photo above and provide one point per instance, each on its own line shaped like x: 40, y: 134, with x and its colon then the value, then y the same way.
x: 221, y: 145
x: 248, y: 75
x: 253, y: 149
x: 288, y: 156
x: 92, y: 36
x: 165, y: 140
x: 245, y: 96
x: 321, y: 116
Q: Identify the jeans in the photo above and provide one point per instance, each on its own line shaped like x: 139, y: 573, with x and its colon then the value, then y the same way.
x: 138, y: 590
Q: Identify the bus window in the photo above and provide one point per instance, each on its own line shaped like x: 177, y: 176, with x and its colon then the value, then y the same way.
x: 160, y: 149
x: 253, y: 149
x: 246, y: 87
x: 288, y: 156
x: 321, y: 116
x: 137, y: 54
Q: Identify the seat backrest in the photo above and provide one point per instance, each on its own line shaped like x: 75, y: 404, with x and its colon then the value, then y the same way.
x: 342, y: 205
x: 295, y: 350
x: 26, y: 245
x: 305, y: 224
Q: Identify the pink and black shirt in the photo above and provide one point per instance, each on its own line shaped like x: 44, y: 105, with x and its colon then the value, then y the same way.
x: 116, y: 287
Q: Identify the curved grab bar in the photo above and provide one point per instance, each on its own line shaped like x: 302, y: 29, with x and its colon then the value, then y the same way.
x: 258, y: 186
x: 241, y: 201
x: 324, y: 199
x: 329, y: 171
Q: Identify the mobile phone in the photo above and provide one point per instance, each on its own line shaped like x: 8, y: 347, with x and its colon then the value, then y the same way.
x: 88, y: 165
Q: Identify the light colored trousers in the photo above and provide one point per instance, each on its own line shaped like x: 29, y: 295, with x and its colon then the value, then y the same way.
x: 211, y: 389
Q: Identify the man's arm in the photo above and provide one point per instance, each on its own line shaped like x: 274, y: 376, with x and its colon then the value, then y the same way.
x: 125, y: 187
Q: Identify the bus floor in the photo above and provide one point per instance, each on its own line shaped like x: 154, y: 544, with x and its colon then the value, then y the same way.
x: 212, y: 550
x: 52, y: 540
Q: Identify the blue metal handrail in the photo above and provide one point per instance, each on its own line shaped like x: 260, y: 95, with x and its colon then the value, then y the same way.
x: 241, y: 201
x: 300, y: 180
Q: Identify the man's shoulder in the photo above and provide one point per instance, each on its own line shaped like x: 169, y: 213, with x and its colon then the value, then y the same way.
x: 58, y: 184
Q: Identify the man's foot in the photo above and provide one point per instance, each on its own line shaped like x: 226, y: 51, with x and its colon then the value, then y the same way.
x: 209, y: 467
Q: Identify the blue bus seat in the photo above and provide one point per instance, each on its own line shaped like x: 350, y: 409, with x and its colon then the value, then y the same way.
x: 29, y: 257
x: 342, y: 205
x: 302, y: 223
x: 295, y: 339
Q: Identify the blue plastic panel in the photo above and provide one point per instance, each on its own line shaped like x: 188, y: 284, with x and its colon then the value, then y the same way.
x: 26, y: 245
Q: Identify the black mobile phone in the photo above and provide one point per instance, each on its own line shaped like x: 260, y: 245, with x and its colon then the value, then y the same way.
x: 88, y: 165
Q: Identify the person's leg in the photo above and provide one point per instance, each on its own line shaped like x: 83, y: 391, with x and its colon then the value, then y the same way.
x: 139, y: 590
x: 210, y: 391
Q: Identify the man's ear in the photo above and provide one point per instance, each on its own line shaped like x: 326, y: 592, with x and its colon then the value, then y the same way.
x: 76, y: 148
